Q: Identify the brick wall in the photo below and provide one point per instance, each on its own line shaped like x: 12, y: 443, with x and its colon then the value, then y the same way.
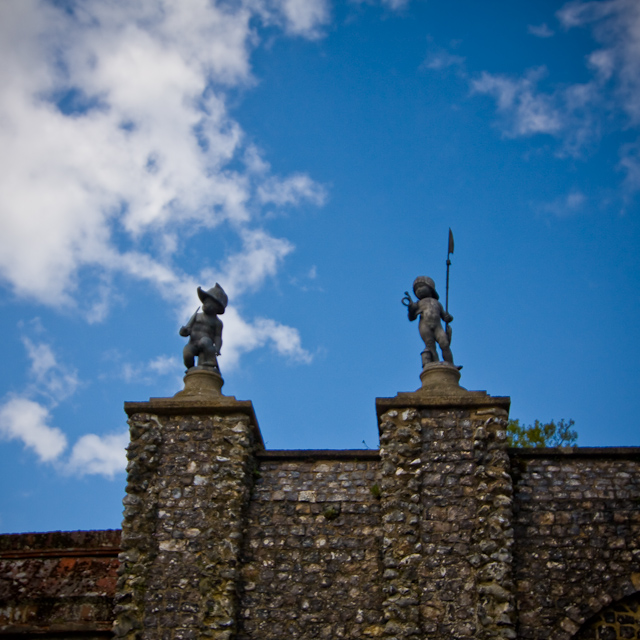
x: 58, y: 583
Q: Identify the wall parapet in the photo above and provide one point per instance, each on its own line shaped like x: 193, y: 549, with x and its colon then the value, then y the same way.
x: 632, y: 453
x: 318, y: 454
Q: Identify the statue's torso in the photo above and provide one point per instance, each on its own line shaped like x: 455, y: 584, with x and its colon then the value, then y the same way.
x: 206, y: 326
x: 429, y: 310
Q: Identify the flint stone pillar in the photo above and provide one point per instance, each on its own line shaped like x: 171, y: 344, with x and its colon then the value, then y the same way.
x: 190, y: 472
x: 446, y: 501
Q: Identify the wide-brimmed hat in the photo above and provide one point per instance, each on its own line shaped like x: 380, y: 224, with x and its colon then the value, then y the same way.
x: 426, y: 281
x: 217, y: 293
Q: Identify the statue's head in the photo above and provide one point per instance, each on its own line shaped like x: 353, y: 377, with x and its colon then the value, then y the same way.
x: 215, y: 294
x: 423, y: 282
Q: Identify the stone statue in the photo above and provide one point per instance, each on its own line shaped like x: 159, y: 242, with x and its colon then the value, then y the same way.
x: 431, y: 312
x: 205, y: 330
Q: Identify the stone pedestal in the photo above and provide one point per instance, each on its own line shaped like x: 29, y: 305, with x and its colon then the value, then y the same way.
x: 446, y: 501
x: 441, y: 378
x: 190, y: 473
x: 201, y: 383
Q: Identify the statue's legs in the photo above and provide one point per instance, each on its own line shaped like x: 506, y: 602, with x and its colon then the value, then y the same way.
x: 207, y: 353
x: 189, y: 355
x: 443, y: 341
x: 430, y: 353
x: 427, y: 357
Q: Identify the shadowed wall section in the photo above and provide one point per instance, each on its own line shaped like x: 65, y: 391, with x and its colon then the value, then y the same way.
x: 59, y: 584
x: 311, y: 558
x: 577, y: 527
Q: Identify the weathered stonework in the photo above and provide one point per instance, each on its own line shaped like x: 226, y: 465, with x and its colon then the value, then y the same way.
x: 443, y: 533
x: 620, y: 620
x: 577, y: 525
x: 58, y: 583
x: 446, y: 504
x: 311, y: 555
x: 190, y: 476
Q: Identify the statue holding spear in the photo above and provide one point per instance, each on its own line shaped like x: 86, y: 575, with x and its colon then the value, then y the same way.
x: 430, y: 311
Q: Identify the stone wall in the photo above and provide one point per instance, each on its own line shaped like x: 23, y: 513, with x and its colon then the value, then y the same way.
x: 443, y: 533
x: 446, y: 505
x: 619, y: 620
x: 577, y: 527
x: 190, y: 474
x: 58, y: 583
x: 311, y: 559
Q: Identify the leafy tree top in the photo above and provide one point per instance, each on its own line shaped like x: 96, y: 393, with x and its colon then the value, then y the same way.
x: 548, y: 434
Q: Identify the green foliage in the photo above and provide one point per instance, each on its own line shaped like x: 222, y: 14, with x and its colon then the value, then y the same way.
x: 375, y: 491
x: 549, y: 434
x: 331, y: 513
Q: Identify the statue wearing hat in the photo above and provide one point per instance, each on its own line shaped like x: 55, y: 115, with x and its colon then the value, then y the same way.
x: 431, y: 312
x: 205, y: 330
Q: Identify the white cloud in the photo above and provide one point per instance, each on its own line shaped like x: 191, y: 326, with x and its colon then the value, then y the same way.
x: 115, y: 146
x: 50, y: 378
x: 149, y: 372
x: 113, y: 122
x: 99, y: 455
x: 241, y: 336
x: 292, y: 191
x: 540, y: 30
x: 439, y: 60
x: 567, y: 205
x: 304, y: 17
x: 259, y: 258
x: 570, y: 113
x: 163, y: 365
x: 29, y: 421
x: 579, y: 114
x: 630, y: 164
x: 395, y: 5
x: 285, y: 340
x: 525, y: 110
x: 26, y: 420
x: 616, y: 26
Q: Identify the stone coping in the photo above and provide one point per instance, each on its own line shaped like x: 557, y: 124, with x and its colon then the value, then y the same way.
x: 100, y: 542
x: 63, y: 631
x: 575, y: 452
x: 189, y: 406
x: 350, y: 455
x: 422, y: 399
x: 521, y: 452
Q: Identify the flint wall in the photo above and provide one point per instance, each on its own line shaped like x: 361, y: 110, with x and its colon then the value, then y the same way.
x: 577, y: 532
x: 443, y: 533
x: 311, y: 560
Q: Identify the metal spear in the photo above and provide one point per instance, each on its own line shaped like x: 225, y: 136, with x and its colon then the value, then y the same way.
x: 449, y: 252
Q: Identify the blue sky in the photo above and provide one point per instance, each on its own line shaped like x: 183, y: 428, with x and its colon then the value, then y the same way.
x: 310, y: 157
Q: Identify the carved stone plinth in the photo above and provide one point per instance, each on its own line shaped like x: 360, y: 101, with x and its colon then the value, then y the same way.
x: 441, y: 378
x: 201, y: 383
